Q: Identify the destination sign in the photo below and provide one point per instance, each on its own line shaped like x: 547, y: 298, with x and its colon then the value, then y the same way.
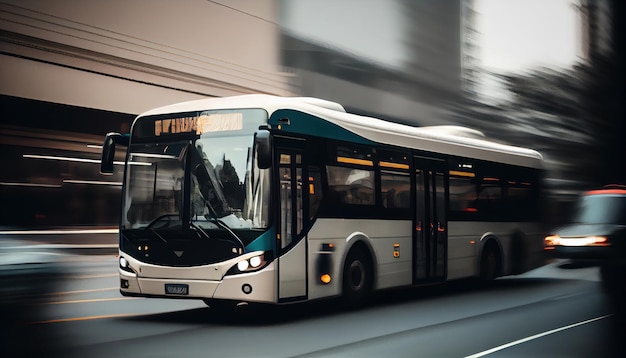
x: 204, y: 123
x: 175, y: 125
x: 220, y: 122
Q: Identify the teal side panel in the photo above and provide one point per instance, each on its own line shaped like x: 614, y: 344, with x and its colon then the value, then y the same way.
x: 306, y: 124
x: 265, y: 242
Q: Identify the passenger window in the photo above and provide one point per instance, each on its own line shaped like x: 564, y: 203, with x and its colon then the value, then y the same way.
x: 396, y: 190
x: 522, y: 201
x: 462, y: 194
x: 490, y: 201
x: 350, y: 185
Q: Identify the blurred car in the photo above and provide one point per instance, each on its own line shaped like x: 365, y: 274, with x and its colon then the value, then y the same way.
x: 598, y: 230
x: 597, y: 234
x: 28, y: 276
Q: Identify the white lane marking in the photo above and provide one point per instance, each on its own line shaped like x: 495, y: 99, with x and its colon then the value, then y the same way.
x: 499, y: 348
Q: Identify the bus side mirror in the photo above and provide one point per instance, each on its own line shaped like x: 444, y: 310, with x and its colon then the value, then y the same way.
x: 263, y: 144
x: 108, y: 151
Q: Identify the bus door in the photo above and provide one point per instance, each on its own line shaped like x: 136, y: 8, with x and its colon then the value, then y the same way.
x: 292, y: 248
x: 430, y: 221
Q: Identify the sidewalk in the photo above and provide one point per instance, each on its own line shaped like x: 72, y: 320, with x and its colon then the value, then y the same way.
x: 75, y: 240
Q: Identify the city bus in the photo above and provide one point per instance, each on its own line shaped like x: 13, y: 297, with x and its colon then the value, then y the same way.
x: 266, y: 199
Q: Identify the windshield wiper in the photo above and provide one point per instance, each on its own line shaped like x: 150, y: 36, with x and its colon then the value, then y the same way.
x: 157, y: 235
x: 223, y: 225
x: 219, y: 223
x: 159, y: 218
x: 197, y: 228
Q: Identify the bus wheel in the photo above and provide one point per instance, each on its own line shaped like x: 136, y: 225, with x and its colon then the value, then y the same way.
x: 490, y: 263
x: 358, y: 278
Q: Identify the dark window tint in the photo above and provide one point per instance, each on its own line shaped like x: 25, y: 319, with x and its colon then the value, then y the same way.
x: 350, y: 185
x: 396, y: 190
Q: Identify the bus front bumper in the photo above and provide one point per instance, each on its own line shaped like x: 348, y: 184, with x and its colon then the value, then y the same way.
x: 250, y: 287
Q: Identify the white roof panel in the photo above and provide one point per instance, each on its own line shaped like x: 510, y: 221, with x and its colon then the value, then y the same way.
x: 453, y: 140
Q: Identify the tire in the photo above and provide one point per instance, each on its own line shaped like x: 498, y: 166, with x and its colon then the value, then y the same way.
x: 358, y: 278
x: 490, y: 263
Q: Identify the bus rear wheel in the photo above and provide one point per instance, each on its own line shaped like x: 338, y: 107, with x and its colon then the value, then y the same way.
x: 358, y: 278
x: 490, y: 263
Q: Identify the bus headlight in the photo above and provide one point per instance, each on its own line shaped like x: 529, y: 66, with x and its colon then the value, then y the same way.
x: 125, y: 266
x: 256, y: 261
x: 243, y: 265
x: 251, y: 264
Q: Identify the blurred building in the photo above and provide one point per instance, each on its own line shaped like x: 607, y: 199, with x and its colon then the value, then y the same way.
x: 73, y: 70
x: 470, y: 50
x: 129, y: 56
x: 399, y: 60
x: 595, y: 28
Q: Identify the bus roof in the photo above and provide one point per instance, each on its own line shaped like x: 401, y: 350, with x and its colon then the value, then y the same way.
x: 452, y: 140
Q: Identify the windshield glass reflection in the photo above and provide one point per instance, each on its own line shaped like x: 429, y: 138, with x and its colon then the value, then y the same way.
x: 602, y: 209
x: 155, y: 183
x: 209, y: 182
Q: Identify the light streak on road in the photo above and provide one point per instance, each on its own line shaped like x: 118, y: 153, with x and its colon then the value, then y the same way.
x: 94, y: 300
x: 85, y: 291
x: 82, y: 277
x: 86, y: 318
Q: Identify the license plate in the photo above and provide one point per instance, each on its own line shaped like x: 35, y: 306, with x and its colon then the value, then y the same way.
x: 176, y: 289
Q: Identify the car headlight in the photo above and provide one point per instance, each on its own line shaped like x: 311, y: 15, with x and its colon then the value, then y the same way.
x: 555, y: 240
x: 584, y: 241
x: 551, y: 241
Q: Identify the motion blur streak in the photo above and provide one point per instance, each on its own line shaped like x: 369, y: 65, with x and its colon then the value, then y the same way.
x: 74, y: 319
x: 97, y: 276
x: 88, y: 291
x: 58, y: 232
x: 94, y: 300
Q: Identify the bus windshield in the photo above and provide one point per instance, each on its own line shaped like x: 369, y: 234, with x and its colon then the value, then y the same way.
x: 154, y: 184
x: 213, y: 177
